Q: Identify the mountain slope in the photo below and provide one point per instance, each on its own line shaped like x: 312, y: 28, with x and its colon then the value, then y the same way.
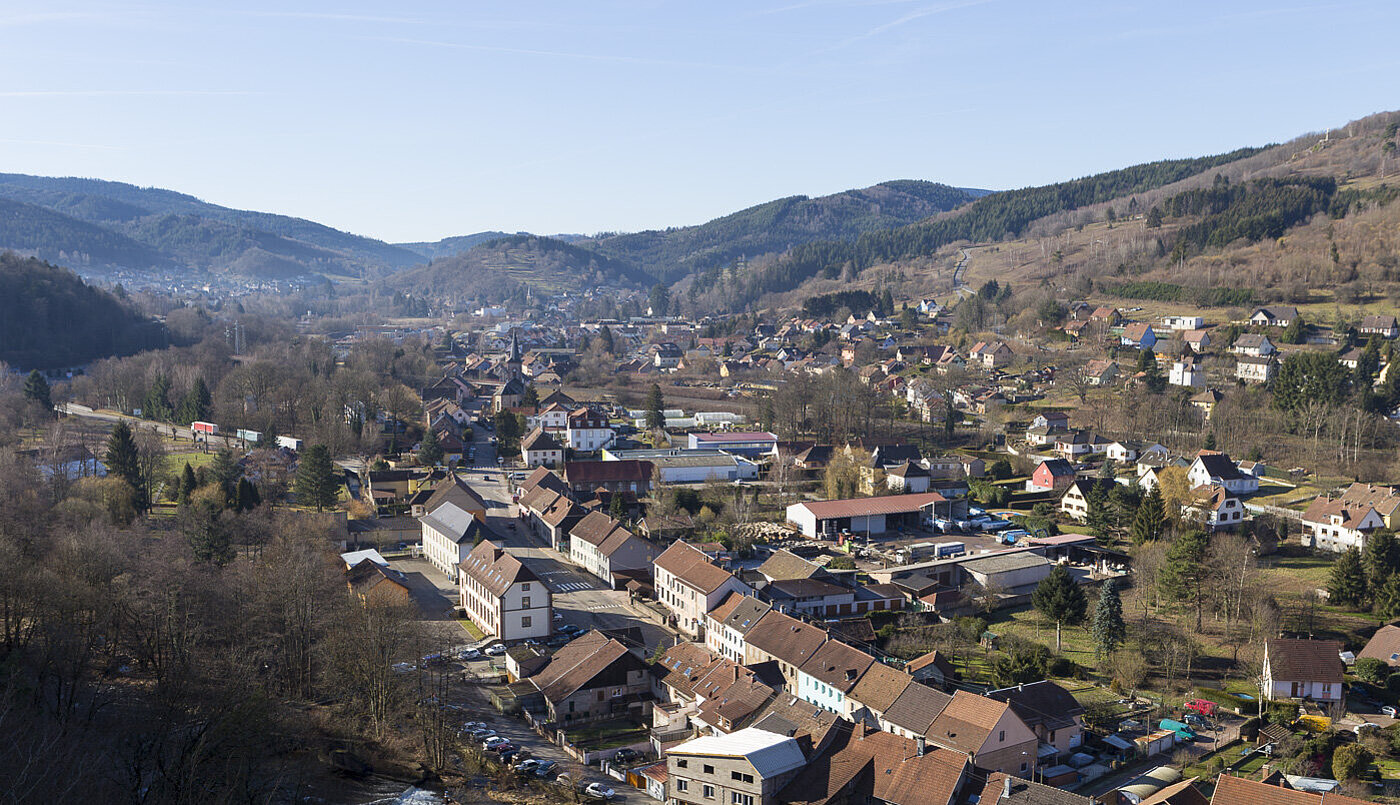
x: 49, y: 235
x: 778, y: 225
x: 500, y: 267
x: 195, y: 234
x: 50, y: 318
x: 453, y: 245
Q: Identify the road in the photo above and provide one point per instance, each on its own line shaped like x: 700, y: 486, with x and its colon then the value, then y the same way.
x: 173, y: 431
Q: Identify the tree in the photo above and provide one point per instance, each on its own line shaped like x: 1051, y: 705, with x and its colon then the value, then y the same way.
x: 617, y: 507
x: 196, y: 405
x: 156, y: 406
x: 1385, y: 599
x: 531, y: 398
x: 908, y: 318
x: 1184, y: 574
x: 1001, y: 469
x: 207, y: 532
x: 1059, y: 598
x: 1294, y: 333
x: 1097, y: 515
x: 224, y: 473
x: 123, y: 460
x: 1175, y: 486
x: 508, y: 432
x: 1109, y: 629
x: 429, y: 450
x: 315, y: 481
x: 1025, y: 664
x: 1346, y: 586
x: 659, y: 298
x: 1152, y: 377
x: 36, y: 388
x: 1210, y: 441
x: 187, y: 485
x: 1154, y: 218
x: 1350, y: 760
x: 1372, y: 669
x: 1380, y: 558
x: 1150, y: 518
x: 248, y: 497
x: 656, y: 405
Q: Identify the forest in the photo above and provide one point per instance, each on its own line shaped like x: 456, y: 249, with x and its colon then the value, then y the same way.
x: 50, y: 318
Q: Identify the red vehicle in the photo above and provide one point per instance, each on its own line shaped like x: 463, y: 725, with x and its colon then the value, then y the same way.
x: 1205, y: 707
x: 207, y: 428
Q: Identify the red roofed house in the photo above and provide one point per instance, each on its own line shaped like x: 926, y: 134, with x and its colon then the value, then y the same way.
x: 1303, y: 669
x: 1052, y: 474
x: 988, y: 731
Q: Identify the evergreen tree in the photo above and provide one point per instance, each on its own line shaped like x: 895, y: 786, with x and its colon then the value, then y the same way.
x: 429, y: 450
x: 1184, y: 574
x: 531, y: 398
x: 124, y: 461
x: 207, y: 533
x: 224, y: 473
x: 187, y: 485
x: 248, y: 497
x: 617, y: 507
x: 1386, y: 598
x: 1347, y: 584
x: 1379, y: 558
x: 1369, y: 364
x: 1152, y: 377
x: 1109, y: 629
x: 315, y: 480
x: 1097, y: 516
x: 605, y: 337
x: 36, y: 388
x: 1294, y: 332
x: 156, y: 406
x: 196, y: 405
x: 1210, y: 441
x: 1150, y: 519
x: 656, y: 405
x: 1060, y: 599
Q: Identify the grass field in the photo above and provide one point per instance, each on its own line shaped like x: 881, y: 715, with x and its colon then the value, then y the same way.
x: 175, y: 461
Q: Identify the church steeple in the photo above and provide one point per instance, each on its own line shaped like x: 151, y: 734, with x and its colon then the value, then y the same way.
x: 514, y: 361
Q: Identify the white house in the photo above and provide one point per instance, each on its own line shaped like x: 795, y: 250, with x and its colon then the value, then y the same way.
x: 1214, y: 508
x: 588, y: 430
x: 452, y: 519
x: 1275, y: 316
x: 1295, y: 668
x: 1075, y: 502
x: 1336, y: 524
x: 502, y: 596
x: 1255, y: 370
x: 1217, y: 468
x: 1186, y: 372
x: 690, y: 587
x: 827, y: 678
x: 1255, y: 345
x: 605, y: 548
x: 1183, y: 322
x: 539, y: 449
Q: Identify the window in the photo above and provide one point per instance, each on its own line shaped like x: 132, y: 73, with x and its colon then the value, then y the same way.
x: 525, y: 622
x: 682, y: 763
x: 735, y: 798
x: 682, y: 785
x: 709, y: 792
x: 525, y: 602
x: 1023, y: 766
x: 1001, y: 736
x: 709, y: 769
x: 746, y: 778
x: 525, y: 587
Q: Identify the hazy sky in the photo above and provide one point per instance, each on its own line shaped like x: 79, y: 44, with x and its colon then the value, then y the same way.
x: 414, y: 121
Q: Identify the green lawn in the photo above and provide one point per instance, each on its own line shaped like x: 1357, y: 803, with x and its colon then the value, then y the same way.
x: 1027, y: 623
x: 175, y: 462
x: 471, y: 629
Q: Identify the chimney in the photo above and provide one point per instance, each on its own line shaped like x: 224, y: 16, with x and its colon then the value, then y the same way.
x: 1006, y: 788
x: 919, y: 746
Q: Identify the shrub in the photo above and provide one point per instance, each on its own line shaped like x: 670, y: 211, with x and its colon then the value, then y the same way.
x: 1249, y: 730
x: 1392, y: 683
x: 1062, y: 667
x: 1372, y: 670
x: 1350, y: 760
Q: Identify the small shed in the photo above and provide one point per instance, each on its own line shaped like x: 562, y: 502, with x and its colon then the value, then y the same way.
x: 1155, y: 742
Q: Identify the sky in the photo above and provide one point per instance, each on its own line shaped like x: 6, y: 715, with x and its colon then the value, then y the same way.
x: 416, y: 121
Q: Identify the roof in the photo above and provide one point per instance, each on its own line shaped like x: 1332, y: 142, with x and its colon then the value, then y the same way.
x: 864, y: 765
x: 1004, y: 562
x: 577, y: 663
x: 559, y: 510
x: 539, y: 440
x: 355, y: 557
x: 496, y: 569
x: 784, y: 564
x: 455, y: 491
x: 786, y: 638
x: 367, y: 574
x: 838, y: 665
x: 1251, y: 341
x: 595, y: 528
x: 543, y: 477
x: 731, y: 437
x: 933, y: 658
x: 1026, y: 792
x: 453, y: 523
x: 966, y: 722
x: 1277, y: 312
x: 916, y: 707
x: 795, y: 718
x: 770, y: 754
x: 1042, y: 702
x: 594, y: 472
x: 1219, y: 465
x: 692, y: 566
x: 1138, y: 331
x: 744, y: 614
x: 1296, y: 659
x: 1384, y: 645
x: 880, y: 686
x: 805, y: 588
x: 1239, y: 791
x: 861, y: 507
x: 1057, y: 467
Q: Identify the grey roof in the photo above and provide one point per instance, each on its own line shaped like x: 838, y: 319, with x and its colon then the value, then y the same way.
x: 916, y: 708
x: 1004, y: 563
x: 452, y: 522
x: 746, y: 614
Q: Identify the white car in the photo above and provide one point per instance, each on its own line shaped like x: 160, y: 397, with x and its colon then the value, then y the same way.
x: 599, y: 791
x: 496, y: 650
x: 470, y: 654
x: 527, y: 766
x: 494, y: 740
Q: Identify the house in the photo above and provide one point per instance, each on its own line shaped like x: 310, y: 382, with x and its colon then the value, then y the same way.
x: 990, y: 354
x: 551, y: 516
x: 988, y: 731
x: 689, y: 586
x: 1003, y: 789
x: 1076, y: 444
x: 932, y: 669
x: 502, y: 596
x: 1138, y: 335
x: 784, y: 565
x: 830, y: 673
x: 1215, y: 468
x: 783, y: 639
x: 1336, y: 524
x: 1099, y: 372
x: 1384, y: 645
x: 1296, y: 668
x: 1383, y: 326
x: 452, y: 519
x: 1276, y: 316
x: 605, y: 548
x: 592, y: 677
x: 539, y: 449
x: 553, y: 417
x: 1206, y: 401
x: 1056, y: 717
x: 868, y: 516
x: 1187, y: 372
x: 907, y: 478
x: 1197, y: 340
x: 628, y: 475
x: 1051, y: 421
x: 913, y: 711
x: 727, y: 626
x: 1183, y: 322
x: 667, y: 355
x: 1214, y: 508
x: 1240, y: 791
x: 1051, y: 474
x: 1074, y: 503
x: 1107, y: 316
x: 377, y: 584
x: 1255, y: 345
x: 587, y: 430
x: 864, y: 765
x: 747, y: 767
x: 875, y: 692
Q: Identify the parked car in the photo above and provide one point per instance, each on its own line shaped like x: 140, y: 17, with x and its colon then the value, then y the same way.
x: 512, y: 753
x: 496, y: 650
x: 1388, y: 711
x: 493, y: 740
x: 501, y: 747
x: 546, y: 768
x: 558, y: 640
x: 598, y: 791
x: 470, y: 654
x: 527, y: 766
x: 403, y: 667
x: 625, y: 756
x: 558, y: 616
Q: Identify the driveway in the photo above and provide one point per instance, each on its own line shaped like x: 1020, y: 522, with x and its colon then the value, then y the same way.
x: 431, y: 591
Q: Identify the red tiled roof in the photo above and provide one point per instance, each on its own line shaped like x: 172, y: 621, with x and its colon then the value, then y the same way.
x: 860, y: 507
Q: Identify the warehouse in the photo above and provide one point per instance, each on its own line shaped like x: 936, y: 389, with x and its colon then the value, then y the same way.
x: 870, y: 516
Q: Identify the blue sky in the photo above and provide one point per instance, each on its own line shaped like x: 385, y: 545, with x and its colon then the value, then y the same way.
x: 415, y: 121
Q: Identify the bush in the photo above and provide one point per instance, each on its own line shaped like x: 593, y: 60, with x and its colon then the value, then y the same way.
x: 1372, y: 670
x: 1281, y: 713
x: 1392, y: 683
x: 1350, y: 760
x: 1062, y: 667
x: 1249, y: 730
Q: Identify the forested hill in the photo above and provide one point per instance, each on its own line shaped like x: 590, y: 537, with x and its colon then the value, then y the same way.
x: 498, y: 268
x: 453, y: 245
x: 995, y: 217
x: 50, y: 318
x: 145, y: 228
x: 778, y: 225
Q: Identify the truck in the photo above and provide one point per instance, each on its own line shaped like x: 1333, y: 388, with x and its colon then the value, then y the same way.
x: 1182, y: 729
x: 206, y: 428
x: 248, y: 435
x: 290, y: 442
x: 943, y: 550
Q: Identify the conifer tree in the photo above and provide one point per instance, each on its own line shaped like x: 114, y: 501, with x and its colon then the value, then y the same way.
x: 1109, y: 629
x: 1060, y: 599
x: 36, y: 388
x: 430, y: 450
x: 1184, y: 574
x: 1347, y: 584
x: 656, y: 406
x: 124, y: 461
x: 1379, y: 558
x: 1150, y: 518
x: 1386, y: 598
x: 188, y: 484
x: 315, y: 481
x: 195, y: 406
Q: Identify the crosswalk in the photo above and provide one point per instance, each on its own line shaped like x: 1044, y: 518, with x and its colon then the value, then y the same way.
x: 601, y: 607
x: 573, y: 586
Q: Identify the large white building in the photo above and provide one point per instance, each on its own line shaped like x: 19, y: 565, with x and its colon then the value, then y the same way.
x: 1219, y: 470
x: 605, y: 548
x: 690, y: 587
x: 450, y: 521
x: 502, y: 596
x: 866, y: 515
x: 588, y: 430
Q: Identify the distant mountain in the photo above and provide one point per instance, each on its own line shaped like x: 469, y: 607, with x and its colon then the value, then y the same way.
x: 50, y: 318
x: 453, y: 245
x: 94, y: 224
x: 779, y: 225
x: 499, y: 267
